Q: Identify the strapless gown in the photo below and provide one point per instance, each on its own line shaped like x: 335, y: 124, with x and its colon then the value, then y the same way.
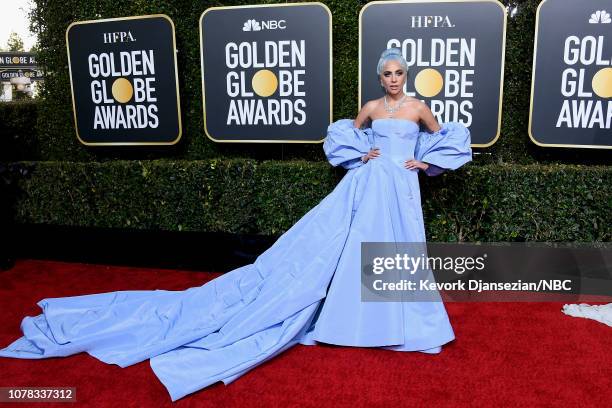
x: 304, y: 289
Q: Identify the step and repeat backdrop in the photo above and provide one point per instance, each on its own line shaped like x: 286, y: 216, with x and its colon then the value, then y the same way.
x: 124, y: 81
x: 572, y: 75
x: 455, y: 56
x: 267, y: 71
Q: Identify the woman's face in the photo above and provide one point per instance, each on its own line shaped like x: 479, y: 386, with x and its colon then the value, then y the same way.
x: 393, y: 77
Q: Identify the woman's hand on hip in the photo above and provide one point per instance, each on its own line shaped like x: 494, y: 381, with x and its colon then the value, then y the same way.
x: 372, y: 154
x: 412, y: 164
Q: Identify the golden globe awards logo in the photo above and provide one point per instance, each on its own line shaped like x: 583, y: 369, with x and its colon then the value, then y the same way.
x: 585, y: 52
x: 134, y: 103
x: 19, y: 65
x: 17, y: 60
x: 124, y: 81
x: 455, y: 56
x: 572, y: 75
x: 266, y: 74
x: 266, y: 97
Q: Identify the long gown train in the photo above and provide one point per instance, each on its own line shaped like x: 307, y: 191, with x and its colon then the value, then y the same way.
x: 304, y: 289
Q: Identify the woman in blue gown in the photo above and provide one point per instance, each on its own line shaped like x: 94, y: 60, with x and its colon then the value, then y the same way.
x: 304, y: 289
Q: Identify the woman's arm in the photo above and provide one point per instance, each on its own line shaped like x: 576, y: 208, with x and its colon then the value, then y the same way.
x: 428, y: 118
x: 432, y: 124
x: 364, y: 114
x: 362, y: 117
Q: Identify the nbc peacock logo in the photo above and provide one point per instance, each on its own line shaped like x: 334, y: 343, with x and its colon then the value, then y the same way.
x: 254, y: 25
x: 600, y: 17
x: 251, y: 25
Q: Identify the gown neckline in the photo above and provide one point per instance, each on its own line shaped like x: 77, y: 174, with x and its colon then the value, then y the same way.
x: 400, y: 119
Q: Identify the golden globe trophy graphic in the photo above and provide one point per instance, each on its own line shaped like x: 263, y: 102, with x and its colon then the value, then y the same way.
x: 455, y: 55
x: 571, y: 82
x: 124, y: 81
x: 266, y: 73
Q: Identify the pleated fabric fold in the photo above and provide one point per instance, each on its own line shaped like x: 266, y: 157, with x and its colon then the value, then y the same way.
x: 448, y: 148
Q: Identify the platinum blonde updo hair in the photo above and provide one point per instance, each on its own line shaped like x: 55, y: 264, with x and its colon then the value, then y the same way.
x: 391, y: 54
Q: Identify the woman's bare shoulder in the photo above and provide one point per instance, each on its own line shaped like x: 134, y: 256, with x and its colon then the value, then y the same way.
x: 372, y: 103
x: 414, y: 100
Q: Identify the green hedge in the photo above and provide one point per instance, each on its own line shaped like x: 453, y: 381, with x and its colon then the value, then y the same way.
x: 475, y: 203
x: 18, y: 139
x: 513, y: 191
x: 55, y: 125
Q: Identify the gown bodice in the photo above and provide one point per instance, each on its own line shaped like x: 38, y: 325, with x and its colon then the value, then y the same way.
x: 396, y: 138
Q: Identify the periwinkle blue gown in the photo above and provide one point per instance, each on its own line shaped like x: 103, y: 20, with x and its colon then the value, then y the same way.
x: 304, y: 289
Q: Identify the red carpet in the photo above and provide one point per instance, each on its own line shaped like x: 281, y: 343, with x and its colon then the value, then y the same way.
x: 527, y: 354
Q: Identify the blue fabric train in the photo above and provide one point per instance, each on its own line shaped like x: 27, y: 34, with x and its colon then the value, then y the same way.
x: 305, y: 288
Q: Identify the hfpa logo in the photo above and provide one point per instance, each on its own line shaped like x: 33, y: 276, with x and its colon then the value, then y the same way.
x: 431, y: 21
x: 254, y: 25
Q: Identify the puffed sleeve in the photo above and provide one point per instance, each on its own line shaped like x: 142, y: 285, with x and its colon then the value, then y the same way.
x: 446, y: 149
x: 346, y: 144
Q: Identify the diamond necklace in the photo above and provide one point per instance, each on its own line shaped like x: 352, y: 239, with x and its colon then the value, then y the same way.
x: 391, y: 110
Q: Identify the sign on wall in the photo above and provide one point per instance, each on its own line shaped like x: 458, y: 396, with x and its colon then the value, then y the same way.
x: 16, y: 60
x: 124, y: 81
x: 266, y: 72
x: 33, y: 74
x: 455, y: 55
x: 572, y: 75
